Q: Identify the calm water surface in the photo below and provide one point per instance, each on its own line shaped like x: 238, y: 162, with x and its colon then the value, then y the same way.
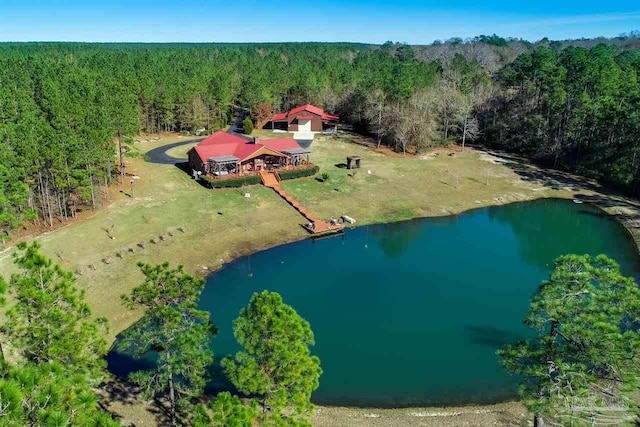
x: 412, y: 313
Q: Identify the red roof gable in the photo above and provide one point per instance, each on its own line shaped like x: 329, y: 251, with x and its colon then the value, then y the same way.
x: 309, y: 109
x: 332, y: 117
x: 240, y: 151
x: 222, y: 137
x: 241, y: 148
x: 279, y: 144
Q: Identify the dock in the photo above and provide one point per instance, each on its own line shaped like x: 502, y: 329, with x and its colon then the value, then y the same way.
x: 314, y: 225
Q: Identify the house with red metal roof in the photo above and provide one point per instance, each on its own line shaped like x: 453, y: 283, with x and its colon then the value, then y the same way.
x: 223, y: 154
x: 305, y: 118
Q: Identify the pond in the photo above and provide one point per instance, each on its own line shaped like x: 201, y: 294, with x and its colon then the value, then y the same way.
x: 412, y: 313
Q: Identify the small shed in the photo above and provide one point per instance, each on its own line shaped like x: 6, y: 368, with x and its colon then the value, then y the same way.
x: 353, y: 162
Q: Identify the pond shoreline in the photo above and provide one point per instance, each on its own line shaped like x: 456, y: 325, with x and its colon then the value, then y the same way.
x: 463, y: 414
x: 491, y: 414
x: 529, y: 182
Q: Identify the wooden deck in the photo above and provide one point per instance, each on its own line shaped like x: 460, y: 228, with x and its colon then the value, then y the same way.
x: 315, y: 225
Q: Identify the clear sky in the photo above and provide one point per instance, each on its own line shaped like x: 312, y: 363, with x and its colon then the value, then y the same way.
x: 411, y: 21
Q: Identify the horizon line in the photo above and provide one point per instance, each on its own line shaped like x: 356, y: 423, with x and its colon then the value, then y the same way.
x: 443, y: 41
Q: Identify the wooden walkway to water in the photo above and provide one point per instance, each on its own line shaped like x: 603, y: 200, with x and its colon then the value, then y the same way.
x: 315, y: 225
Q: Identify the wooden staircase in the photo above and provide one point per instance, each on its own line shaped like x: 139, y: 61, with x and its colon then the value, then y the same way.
x: 272, y: 180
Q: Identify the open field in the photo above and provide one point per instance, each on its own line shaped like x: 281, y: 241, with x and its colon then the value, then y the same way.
x: 221, y: 225
x: 268, y: 133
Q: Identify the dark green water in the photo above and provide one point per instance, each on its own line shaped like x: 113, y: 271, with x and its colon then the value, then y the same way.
x: 412, y: 313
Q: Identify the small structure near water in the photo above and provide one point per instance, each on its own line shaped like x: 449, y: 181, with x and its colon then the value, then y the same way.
x: 348, y: 219
x: 353, y: 162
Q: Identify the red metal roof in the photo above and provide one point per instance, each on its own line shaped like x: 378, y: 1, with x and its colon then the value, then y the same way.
x: 331, y: 117
x: 222, y: 137
x: 280, y: 116
x: 241, y: 148
x: 208, y: 151
x: 279, y: 144
x: 309, y: 109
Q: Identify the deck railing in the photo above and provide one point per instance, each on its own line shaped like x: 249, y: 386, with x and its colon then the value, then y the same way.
x: 252, y: 173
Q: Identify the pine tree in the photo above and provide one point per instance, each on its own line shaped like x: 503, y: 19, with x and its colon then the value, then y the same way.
x: 583, y: 361
x: 59, y: 351
x: 50, y: 320
x: 276, y: 363
x: 174, y: 329
x: 226, y: 411
x: 45, y: 394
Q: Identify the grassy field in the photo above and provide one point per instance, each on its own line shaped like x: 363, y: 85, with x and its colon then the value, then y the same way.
x: 221, y: 225
x: 267, y: 133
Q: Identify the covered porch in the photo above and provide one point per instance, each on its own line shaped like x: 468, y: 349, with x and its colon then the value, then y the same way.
x: 233, y: 167
x: 297, y: 156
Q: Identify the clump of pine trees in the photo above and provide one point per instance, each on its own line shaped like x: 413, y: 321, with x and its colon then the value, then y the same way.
x: 52, y: 353
x: 275, y: 366
x: 581, y: 366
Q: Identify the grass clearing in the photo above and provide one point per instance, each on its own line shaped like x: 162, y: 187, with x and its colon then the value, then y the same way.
x: 268, y: 133
x: 220, y: 225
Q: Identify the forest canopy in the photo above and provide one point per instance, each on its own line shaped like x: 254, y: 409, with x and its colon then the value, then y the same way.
x: 69, y: 111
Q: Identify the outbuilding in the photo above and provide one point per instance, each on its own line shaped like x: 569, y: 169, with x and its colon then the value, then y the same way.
x: 305, y: 118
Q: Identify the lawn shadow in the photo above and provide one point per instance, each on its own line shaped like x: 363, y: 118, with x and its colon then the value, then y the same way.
x: 510, y: 419
x: 470, y: 178
x: 125, y: 393
x: 341, y: 165
x: 547, y: 177
x: 121, y: 390
x: 184, y: 167
x: 619, y: 206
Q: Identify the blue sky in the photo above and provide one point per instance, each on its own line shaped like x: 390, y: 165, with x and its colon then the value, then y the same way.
x: 412, y: 21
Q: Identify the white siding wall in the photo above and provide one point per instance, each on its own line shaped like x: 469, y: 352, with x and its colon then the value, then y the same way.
x: 304, y: 125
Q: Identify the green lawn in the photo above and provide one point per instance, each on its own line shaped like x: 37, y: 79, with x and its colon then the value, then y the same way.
x: 221, y: 224
x: 268, y: 133
x: 392, y: 188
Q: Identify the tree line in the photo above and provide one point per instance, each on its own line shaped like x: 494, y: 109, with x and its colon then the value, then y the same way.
x: 576, y: 109
x: 68, y: 111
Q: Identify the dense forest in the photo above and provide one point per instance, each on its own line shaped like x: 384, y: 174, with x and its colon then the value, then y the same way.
x: 68, y: 112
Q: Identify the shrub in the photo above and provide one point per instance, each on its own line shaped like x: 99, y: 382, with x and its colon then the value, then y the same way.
x: 324, y: 177
x: 231, y: 182
x: 247, y: 125
x: 298, y: 173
